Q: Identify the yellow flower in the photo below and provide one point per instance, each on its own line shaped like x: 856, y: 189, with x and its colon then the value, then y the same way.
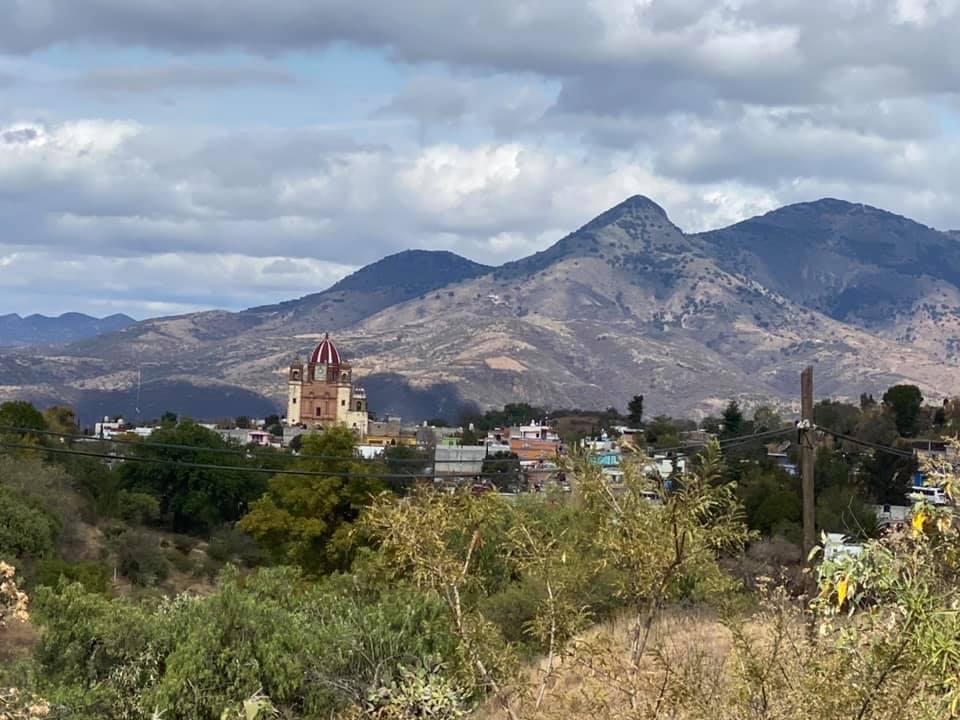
x: 842, y: 587
x: 917, y: 523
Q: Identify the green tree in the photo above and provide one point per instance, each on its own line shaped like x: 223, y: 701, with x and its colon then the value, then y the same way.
x: 306, y: 519
x: 502, y: 469
x: 660, y: 430
x: 905, y: 402
x: 169, y: 419
x: 20, y: 414
x: 61, y: 419
x: 25, y: 529
x: 835, y: 415
x: 766, y: 418
x: 192, y: 499
x: 732, y: 419
x: 635, y: 411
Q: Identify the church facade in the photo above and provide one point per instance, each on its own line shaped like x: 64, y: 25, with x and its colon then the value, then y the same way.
x: 320, y: 392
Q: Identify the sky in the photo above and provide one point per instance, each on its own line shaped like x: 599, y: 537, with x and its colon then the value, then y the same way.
x: 165, y: 156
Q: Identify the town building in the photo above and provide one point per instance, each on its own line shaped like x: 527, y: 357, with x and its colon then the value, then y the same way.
x: 321, y: 393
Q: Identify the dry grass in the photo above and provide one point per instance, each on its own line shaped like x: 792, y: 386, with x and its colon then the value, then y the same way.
x: 596, y: 679
x: 17, y: 641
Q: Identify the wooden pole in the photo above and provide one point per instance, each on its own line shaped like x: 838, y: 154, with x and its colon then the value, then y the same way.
x: 806, y: 464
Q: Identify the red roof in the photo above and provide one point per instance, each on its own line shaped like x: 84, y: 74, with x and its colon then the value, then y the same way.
x: 326, y: 353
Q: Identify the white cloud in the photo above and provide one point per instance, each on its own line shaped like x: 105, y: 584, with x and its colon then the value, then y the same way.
x: 520, y: 121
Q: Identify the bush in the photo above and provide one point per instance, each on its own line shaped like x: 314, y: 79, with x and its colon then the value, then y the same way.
x: 94, y: 577
x: 25, y: 530
x: 138, y: 507
x: 234, y: 545
x: 512, y: 609
x: 141, y: 561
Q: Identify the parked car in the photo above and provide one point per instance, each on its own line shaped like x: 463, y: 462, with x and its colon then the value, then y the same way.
x: 928, y: 493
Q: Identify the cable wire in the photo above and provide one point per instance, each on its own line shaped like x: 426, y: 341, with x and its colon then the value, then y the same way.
x: 270, y: 471
x: 865, y: 443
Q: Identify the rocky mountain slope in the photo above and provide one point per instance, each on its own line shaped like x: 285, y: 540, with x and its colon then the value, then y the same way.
x: 626, y: 304
x: 16, y: 331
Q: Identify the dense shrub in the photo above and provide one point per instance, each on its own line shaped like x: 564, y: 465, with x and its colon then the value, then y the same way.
x: 25, y: 529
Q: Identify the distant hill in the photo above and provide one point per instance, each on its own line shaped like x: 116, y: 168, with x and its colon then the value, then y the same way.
x: 626, y: 304
x: 16, y: 331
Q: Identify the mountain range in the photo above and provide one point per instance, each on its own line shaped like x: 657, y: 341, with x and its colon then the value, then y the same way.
x: 627, y: 304
x: 16, y: 331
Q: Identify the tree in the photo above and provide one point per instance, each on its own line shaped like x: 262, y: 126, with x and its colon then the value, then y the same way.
x: 306, y: 519
x: 25, y: 529
x: 192, y: 499
x: 835, y: 415
x: 711, y: 424
x: 20, y: 414
x: 732, y: 419
x: 502, y: 469
x: 635, y: 410
x: 766, y: 418
x: 661, y: 429
x: 169, y: 419
x: 905, y: 402
x: 243, y: 422
x: 61, y: 419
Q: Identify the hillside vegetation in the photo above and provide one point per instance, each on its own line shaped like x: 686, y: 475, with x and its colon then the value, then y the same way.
x: 167, y: 590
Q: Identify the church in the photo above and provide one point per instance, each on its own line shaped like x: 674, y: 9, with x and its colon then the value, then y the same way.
x: 321, y: 394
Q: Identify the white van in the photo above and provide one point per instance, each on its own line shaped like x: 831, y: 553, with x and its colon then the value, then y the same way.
x: 932, y: 495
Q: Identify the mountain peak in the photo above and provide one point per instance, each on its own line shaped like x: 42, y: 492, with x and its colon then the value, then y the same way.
x: 404, y: 267
x: 634, y: 207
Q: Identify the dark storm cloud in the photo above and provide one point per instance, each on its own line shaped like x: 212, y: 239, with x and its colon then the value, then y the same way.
x: 154, y: 78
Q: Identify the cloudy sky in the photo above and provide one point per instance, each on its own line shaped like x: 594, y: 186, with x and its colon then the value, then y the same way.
x: 160, y: 156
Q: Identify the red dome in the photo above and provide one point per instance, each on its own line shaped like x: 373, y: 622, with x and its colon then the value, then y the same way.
x: 326, y: 353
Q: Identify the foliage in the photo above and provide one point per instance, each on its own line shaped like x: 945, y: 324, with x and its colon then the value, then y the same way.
x: 94, y: 577
x: 20, y: 414
x: 502, y: 469
x: 137, y: 507
x: 139, y: 558
x: 512, y: 414
x: 635, y: 411
x: 732, y: 419
x: 26, y: 530
x: 905, y: 402
x: 266, y: 642
x: 766, y: 418
x: 192, y: 499
x: 306, y: 519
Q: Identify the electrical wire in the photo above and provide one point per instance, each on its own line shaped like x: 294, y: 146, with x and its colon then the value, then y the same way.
x: 270, y: 471
x: 726, y: 442
x: 231, y: 451
x: 865, y: 443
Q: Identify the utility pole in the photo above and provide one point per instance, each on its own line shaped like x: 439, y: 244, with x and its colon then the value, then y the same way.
x: 806, y: 463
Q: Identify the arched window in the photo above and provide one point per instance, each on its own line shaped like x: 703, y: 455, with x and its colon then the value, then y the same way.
x: 359, y: 406
x: 296, y: 374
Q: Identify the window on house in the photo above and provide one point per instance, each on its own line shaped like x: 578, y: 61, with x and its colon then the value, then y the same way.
x: 294, y: 401
x: 342, y: 403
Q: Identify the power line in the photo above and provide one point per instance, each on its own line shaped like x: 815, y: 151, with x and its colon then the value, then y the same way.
x: 724, y: 443
x: 245, y: 452
x: 270, y: 471
x: 731, y: 441
x: 865, y: 443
